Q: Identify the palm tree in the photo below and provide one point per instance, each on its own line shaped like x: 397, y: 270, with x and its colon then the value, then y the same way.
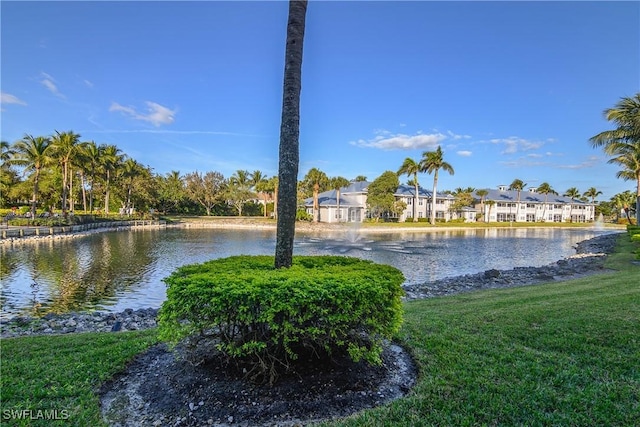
x: 490, y: 203
x: 337, y: 183
x: 33, y: 153
x: 273, y: 188
x: 66, y: 146
x: 545, y: 188
x: 432, y: 162
x: 518, y: 186
x: 6, y: 152
x: 623, y: 201
x: 623, y: 142
x: 573, y: 193
x: 289, y: 155
x: 629, y: 159
x: 411, y: 167
x: 316, y: 181
x: 131, y: 169
x: 91, y: 153
x: 592, y: 193
x: 6, y: 173
x: 110, y: 160
x: 482, y: 193
x: 240, y: 184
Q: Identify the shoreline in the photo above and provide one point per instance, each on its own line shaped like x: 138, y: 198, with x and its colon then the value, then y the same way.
x: 305, y: 227
x: 588, y: 260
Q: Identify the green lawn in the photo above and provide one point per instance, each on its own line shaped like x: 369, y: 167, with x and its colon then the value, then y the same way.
x: 563, y: 354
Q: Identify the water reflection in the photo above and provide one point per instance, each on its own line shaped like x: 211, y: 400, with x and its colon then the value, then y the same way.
x: 112, y: 271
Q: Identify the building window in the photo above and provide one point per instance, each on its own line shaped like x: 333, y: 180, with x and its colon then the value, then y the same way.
x: 505, y: 217
x: 420, y: 202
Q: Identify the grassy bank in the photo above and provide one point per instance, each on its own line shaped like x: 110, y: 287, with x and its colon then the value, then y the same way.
x: 559, y: 354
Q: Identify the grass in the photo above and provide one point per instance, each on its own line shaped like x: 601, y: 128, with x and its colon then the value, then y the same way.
x: 562, y: 354
x: 62, y: 374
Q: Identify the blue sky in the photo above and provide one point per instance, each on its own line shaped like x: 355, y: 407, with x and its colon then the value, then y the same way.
x: 508, y: 89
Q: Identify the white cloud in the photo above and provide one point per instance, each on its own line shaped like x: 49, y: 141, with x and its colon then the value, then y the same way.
x: 385, y: 140
x: 156, y: 113
x: 456, y: 136
x: 464, y: 153
x: 514, y: 144
x: 87, y: 83
x: 7, y: 98
x: 590, y: 162
x: 49, y: 82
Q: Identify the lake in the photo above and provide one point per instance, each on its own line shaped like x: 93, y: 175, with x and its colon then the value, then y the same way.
x: 112, y: 271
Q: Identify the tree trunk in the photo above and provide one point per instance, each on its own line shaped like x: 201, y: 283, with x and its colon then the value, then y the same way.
x: 275, y: 202
x: 106, y: 195
x: 316, y: 208
x: 415, y: 199
x: 84, y: 191
x: 35, y: 194
x: 289, y: 153
x: 433, y: 198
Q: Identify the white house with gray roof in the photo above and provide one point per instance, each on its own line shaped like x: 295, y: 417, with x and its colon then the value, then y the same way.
x: 533, y: 207
x: 353, y: 204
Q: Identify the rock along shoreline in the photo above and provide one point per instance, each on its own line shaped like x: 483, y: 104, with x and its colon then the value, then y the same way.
x: 589, y: 259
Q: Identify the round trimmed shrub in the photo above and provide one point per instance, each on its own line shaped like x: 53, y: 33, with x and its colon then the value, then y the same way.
x: 269, y: 317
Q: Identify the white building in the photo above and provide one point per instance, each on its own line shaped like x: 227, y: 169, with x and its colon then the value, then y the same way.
x: 502, y: 205
x: 353, y: 204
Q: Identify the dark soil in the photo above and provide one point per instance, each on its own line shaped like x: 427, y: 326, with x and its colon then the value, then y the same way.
x: 161, y: 388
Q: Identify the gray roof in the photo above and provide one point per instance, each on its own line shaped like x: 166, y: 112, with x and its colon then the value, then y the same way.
x: 527, y: 196
x: 410, y: 191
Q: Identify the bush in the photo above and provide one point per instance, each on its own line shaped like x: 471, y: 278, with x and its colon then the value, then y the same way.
x: 270, y: 317
x: 302, y: 215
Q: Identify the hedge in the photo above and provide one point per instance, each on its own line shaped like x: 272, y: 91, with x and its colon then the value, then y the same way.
x: 270, y: 317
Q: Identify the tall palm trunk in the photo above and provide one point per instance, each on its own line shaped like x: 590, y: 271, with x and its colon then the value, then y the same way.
x: 433, y: 197
x: 316, y: 207
x: 106, y: 194
x: 71, y: 190
x: 84, y: 191
x: 34, y: 201
x: 289, y: 155
x: 415, y: 199
x: 275, y: 202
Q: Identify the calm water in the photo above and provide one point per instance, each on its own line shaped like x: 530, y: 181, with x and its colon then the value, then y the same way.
x: 112, y: 271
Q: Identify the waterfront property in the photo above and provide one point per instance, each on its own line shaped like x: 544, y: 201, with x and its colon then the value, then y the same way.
x: 353, y: 204
x: 499, y: 205
x: 530, y: 206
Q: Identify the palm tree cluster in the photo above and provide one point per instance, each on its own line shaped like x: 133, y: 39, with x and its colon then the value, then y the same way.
x: 64, y: 173
x: 623, y: 142
x: 431, y: 162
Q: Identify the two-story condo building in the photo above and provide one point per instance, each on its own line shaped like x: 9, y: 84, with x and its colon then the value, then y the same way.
x: 499, y: 205
x: 502, y: 205
x: 353, y: 204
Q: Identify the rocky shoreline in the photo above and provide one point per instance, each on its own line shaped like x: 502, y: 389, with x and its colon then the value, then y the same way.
x: 589, y: 259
